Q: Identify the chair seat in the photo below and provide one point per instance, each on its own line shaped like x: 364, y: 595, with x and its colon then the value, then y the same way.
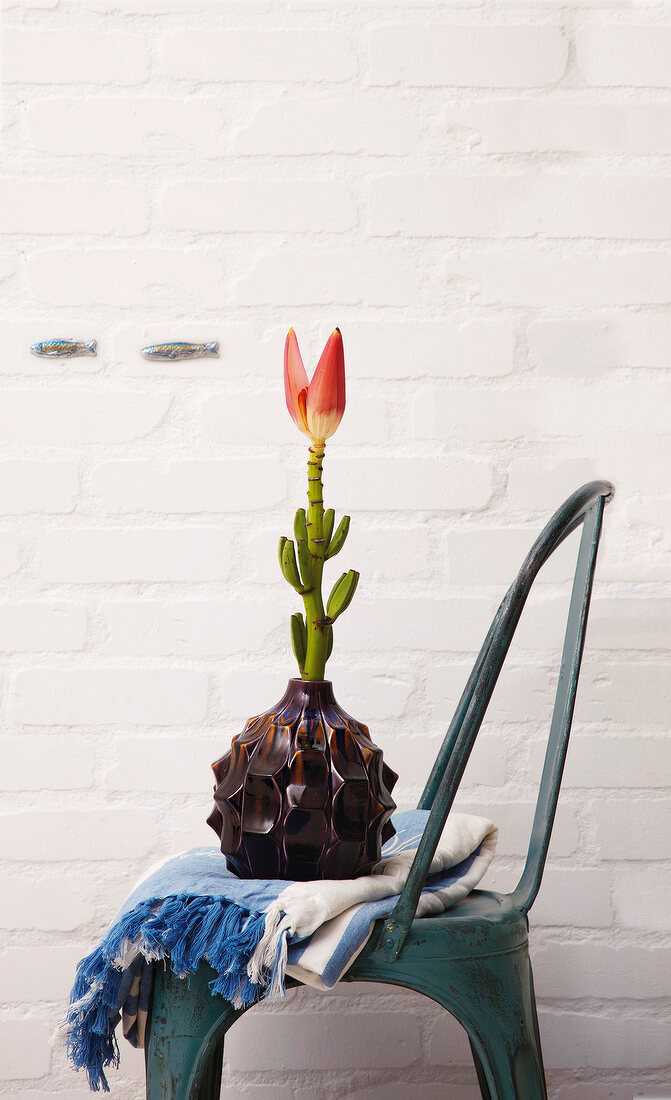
x: 484, y: 923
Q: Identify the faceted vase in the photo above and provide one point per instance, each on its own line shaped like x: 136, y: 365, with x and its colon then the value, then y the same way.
x: 303, y: 793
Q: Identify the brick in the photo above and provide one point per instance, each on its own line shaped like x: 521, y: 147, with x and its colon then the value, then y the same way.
x: 539, y: 486
x: 178, y: 765
x: 27, y: 486
x: 73, y: 206
x: 514, y: 820
x: 633, y: 829
x: 576, y: 896
x: 494, y: 555
x: 575, y: 125
x: 413, y: 756
x: 9, y: 553
x: 126, y: 277
x: 66, y: 417
x: 261, y: 56
x: 33, y: 56
x: 477, y: 414
x: 484, y: 56
x: 253, y: 205
x: 110, y: 696
x: 330, y: 1042
x: 382, y: 276
x: 122, y: 832
x: 640, y: 900
x: 188, y: 828
x: 39, y: 627
x: 456, y: 483
x: 189, y: 486
x: 570, y: 279
x: 615, y: 401
x: 448, y: 1042
x: 569, y: 970
x: 624, y: 54
x: 633, y: 694
x: 34, y: 763
x: 158, y: 554
x: 358, y: 124
x: 636, y: 623
x: 521, y: 206
x: 189, y: 627
x: 522, y: 694
x: 51, y: 901
x: 38, y: 973
x: 415, y: 623
x: 246, y: 350
x: 577, y: 1039
x: 26, y: 1052
x: 226, y: 418
x: 592, y: 347
x: 18, y: 335
x: 605, y: 760
x: 158, y: 129
x: 395, y: 349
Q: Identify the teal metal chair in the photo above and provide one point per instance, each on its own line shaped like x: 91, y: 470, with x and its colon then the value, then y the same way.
x: 473, y: 960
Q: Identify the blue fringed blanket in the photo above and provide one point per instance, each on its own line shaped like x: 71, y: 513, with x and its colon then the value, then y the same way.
x: 252, y: 932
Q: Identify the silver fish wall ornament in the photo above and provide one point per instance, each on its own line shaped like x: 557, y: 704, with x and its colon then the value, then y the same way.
x: 64, y: 349
x: 180, y: 350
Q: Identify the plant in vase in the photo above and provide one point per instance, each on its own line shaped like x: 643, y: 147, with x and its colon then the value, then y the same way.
x: 303, y: 792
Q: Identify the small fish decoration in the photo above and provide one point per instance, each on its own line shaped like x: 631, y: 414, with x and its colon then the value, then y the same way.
x: 64, y: 349
x: 180, y: 350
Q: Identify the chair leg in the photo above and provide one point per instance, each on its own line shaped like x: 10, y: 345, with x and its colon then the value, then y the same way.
x: 479, y: 1069
x: 186, y: 1037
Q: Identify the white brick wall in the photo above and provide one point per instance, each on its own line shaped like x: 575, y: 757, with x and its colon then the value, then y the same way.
x: 479, y: 193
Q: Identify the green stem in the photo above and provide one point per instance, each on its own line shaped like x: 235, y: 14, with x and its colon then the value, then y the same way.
x: 315, y: 616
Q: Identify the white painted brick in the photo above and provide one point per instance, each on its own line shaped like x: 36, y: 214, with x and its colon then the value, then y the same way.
x: 536, y: 484
x: 575, y: 125
x: 246, y: 350
x: 631, y: 829
x: 394, y: 349
x: 514, y: 821
x: 381, y: 276
x: 448, y: 1042
x: 9, y: 553
x: 189, y: 627
x: 253, y: 205
x: 456, y: 483
x: 245, y: 417
x: 34, y: 763
x: 26, y: 1053
x: 19, y: 334
x: 110, y: 696
x: 37, y: 627
x: 634, y: 623
x: 154, y: 128
x: 600, y: 970
x: 358, y: 124
x: 189, y: 486
x: 522, y: 694
x: 575, y: 896
x: 78, y: 834
x: 583, y: 1039
x: 494, y: 555
x: 570, y: 279
x: 67, y: 417
x: 422, y: 624
x: 413, y: 752
x: 51, y: 901
x: 589, y: 348
x: 633, y: 694
x: 35, y: 56
x: 398, y: 1090
x: 521, y: 206
x: 330, y: 1042
x: 38, y: 973
x: 179, y: 765
x: 641, y: 900
x: 478, y: 414
x: 124, y: 277
x: 73, y: 206
x: 156, y: 554
x: 600, y: 760
x: 491, y: 56
x: 624, y: 54
x: 251, y: 55
x: 38, y: 487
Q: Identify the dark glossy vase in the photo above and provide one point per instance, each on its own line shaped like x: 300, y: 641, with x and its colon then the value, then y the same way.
x: 303, y: 793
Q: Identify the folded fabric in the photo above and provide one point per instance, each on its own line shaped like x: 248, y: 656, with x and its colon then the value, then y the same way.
x: 253, y: 932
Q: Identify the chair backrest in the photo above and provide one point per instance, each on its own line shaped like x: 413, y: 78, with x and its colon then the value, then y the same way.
x: 585, y: 507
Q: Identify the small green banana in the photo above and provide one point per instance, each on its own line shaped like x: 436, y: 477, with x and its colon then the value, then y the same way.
x: 302, y: 548
x: 299, y: 638
x: 329, y: 642
x: 341, y: 594
x: 289, y: 567
x: 329, y: 520
x: 283, y: 542
x: 338, y: 540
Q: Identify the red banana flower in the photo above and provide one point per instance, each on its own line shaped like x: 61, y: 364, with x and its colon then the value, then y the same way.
x: 316, y: 407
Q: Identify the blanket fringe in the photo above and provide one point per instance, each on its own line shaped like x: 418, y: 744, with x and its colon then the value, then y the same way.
x: 186, y: 930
